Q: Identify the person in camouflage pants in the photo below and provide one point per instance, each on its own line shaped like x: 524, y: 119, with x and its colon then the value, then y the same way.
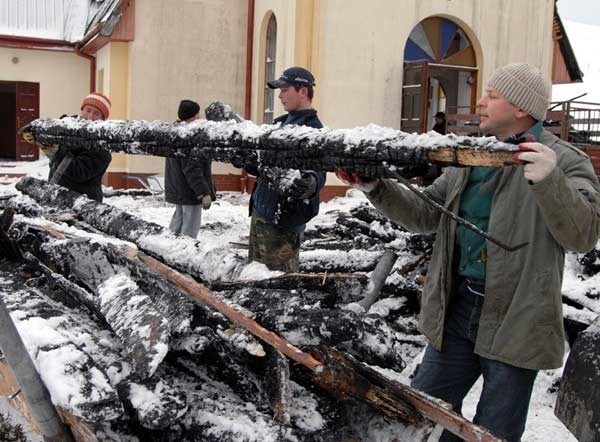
x: 279, y: 216
x: 275, y: 247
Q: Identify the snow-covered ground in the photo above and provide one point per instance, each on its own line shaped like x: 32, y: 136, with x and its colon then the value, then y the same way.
x: 231, y: 210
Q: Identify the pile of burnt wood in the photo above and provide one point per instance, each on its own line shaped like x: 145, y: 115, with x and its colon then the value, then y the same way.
x: 125, y: 349
x: 128, y: 353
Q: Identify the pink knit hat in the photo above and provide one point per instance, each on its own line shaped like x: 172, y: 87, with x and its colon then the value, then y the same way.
x: 99, y: 101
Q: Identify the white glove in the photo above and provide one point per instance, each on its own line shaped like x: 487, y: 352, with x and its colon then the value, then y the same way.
x: 539, y: 160
x: 48, y: 150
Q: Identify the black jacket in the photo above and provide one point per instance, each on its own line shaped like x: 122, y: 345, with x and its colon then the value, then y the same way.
x: 285, y: 212
x: 186, y: 181
x: 84, y: 172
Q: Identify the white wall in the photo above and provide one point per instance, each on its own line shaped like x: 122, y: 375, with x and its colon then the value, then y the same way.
x: 188, y: 49
x: 64, y: 77
x: 362, y: 50
x: 193, y: 49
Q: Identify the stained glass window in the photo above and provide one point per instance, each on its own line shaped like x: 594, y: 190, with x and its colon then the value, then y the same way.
x: 438, y: 40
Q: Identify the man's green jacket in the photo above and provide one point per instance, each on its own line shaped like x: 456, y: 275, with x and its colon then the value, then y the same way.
x: 521, y: 320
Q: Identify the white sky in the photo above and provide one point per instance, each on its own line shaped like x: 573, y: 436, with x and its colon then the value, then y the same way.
x: 582, y: 22
x: 583, y: 38
x: 582, y: 11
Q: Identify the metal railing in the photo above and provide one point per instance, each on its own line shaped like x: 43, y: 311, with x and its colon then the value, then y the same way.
x: 575, y: 121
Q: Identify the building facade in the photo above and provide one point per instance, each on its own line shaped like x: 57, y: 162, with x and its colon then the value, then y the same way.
x: 389, y: 62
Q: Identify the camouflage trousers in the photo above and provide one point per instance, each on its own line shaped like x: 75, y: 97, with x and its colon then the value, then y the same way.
x: 275, y: 247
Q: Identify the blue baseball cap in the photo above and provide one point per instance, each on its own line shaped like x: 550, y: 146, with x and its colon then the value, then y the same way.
x: 293, y: 76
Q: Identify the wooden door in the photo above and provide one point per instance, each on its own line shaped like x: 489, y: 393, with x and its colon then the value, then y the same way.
x: 414, y: 96
x: 27, y: 110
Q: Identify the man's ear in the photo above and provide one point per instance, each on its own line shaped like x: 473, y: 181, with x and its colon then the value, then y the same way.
x: 520, y: 114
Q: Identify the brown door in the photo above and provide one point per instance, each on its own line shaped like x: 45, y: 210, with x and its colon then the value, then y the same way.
x: 414, y: 96
x: 27, y: 110
x: 8, y: 120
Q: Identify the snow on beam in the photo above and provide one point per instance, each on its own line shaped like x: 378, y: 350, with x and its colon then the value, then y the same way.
x: 371, y: 150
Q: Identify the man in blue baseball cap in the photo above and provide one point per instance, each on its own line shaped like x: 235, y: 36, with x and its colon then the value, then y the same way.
x: 279, y: 218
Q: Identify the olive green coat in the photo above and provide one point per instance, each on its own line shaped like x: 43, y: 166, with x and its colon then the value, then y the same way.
x: 521, y: 320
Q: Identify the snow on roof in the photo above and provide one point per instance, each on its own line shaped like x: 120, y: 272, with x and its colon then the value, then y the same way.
x: 583, y: 38
x: 68, y: 20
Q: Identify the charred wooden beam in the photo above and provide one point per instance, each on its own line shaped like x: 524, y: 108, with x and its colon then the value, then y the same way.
x: 578, y: 401
x: 335, y: 283
x: 86, y: 389
x: 351, y: 379
x: 8, y: 247
x: 130, y: 313
x: 150, y: 237
x: 378, y: 277
x: 370, y: 150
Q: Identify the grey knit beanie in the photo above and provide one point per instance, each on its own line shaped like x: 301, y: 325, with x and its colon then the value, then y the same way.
x: 524, y: 86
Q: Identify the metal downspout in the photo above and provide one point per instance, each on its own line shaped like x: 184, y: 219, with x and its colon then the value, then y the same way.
x: 248, y: 97
x: 79, y: 51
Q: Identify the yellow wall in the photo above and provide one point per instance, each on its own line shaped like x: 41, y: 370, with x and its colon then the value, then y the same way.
x: 64, y: 77
x: 307, y: 37
x: 285, y: 14
x: 113, y: 62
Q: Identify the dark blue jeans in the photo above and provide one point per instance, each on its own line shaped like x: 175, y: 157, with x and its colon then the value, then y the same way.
x: 450, y: 374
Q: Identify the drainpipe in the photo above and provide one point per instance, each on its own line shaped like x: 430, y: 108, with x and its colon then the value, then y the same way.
x: 248, y: 97
x: 79, y: 51
x: 92, y: 61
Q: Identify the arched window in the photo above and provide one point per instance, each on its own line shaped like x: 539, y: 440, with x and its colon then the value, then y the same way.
x: 438, y: 40
x: 440, y: 74
x: 271, y: 46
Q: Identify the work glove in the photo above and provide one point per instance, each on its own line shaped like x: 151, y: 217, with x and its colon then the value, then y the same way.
x: 303, y: 187
x: 48, y: 150
x: 28, y: 136
x: 206, y: 201
x: 353, y: 179
x: 539, y: 160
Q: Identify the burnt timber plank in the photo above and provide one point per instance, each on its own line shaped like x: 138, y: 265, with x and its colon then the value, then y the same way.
x: 369, y: 150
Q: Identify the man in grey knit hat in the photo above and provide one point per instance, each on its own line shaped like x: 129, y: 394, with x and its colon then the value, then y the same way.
x: 485, y: 311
